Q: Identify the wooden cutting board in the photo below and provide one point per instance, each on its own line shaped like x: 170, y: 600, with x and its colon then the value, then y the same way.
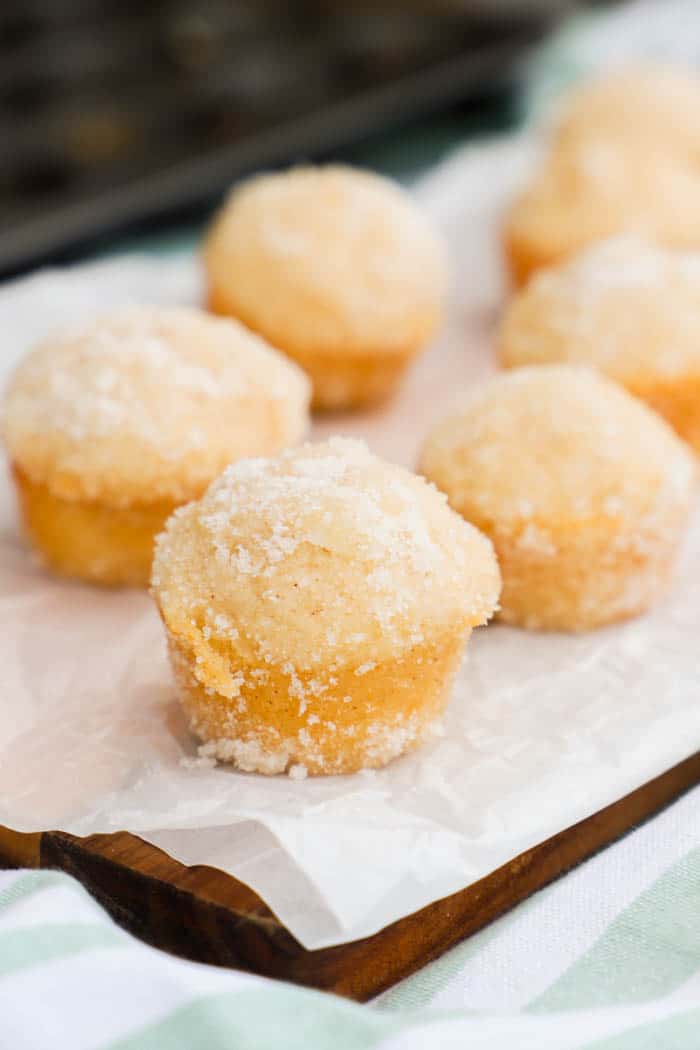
x: 204, y: 914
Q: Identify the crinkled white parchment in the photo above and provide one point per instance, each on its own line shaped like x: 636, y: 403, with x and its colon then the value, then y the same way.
x: 542, y: 730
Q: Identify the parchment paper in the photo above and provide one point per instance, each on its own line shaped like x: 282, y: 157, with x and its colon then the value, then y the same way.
x: 542, y: 730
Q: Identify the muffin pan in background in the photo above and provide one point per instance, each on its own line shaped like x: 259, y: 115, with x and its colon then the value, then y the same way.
x: 113, y: 113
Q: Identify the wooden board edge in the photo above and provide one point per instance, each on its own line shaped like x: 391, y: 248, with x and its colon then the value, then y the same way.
x: 202, y: 913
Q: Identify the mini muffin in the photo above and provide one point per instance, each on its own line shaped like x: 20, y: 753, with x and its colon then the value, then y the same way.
x: 584, y: 491
x: 657, y: 104
x: 338, y: 268
x: 316, y: 607
x: 590, y: 189
x: 112, y: 426
x: 626, y: 307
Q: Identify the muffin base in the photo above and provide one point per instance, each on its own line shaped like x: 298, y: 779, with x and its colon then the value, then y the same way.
x: 318, y: 722
x: 350, y: 381
x: 524, y: 258
x: 584, y: 574
x: 340, y: 379
x: 112, y: 546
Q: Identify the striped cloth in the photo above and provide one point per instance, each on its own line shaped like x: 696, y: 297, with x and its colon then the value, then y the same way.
x: 606, y: 958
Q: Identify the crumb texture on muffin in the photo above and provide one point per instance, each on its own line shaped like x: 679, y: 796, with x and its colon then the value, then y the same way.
x: 317, y: 605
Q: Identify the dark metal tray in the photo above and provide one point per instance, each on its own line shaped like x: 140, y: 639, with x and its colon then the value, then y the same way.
x: 115, y: 112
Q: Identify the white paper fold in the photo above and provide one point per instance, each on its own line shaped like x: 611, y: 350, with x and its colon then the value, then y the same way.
x: 542, y: 730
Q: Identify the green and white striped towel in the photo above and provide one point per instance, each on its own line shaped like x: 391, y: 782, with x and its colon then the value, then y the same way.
x: 606, y: 958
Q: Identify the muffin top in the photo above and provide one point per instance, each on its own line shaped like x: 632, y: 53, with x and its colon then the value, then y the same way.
x: 322, y: 557
x: 556, y: 444
x: 328, y: 259
x: 149, y: 404
x: 660, y: 104
x: 625, y: 305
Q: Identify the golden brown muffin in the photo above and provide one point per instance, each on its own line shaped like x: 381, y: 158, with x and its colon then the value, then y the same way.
x: 584, y: 491
x: 316, y: 607
x: 626, y: 307
x: 112, y: 426
x: 590, y: 189
x: 658, y: 104
x: 335, y: 266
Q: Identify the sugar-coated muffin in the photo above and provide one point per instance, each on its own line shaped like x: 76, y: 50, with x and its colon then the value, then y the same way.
x: 316, y: 607
x: 111, y: 426
x: 590, y: 189
x: 657, y: 104
x: 626, y: 307
x: 584, y: 491
x: 337, y: 267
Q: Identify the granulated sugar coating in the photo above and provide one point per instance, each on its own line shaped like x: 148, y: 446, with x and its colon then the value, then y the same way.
x: 337, y: 267
x: 627, y: 307
x: 584, y: 491
x: 316, y: 607
x: 149, y: 404
x: 111, y: 426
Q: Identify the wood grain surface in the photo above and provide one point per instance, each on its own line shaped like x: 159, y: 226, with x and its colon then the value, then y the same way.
x: 204, y: 914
